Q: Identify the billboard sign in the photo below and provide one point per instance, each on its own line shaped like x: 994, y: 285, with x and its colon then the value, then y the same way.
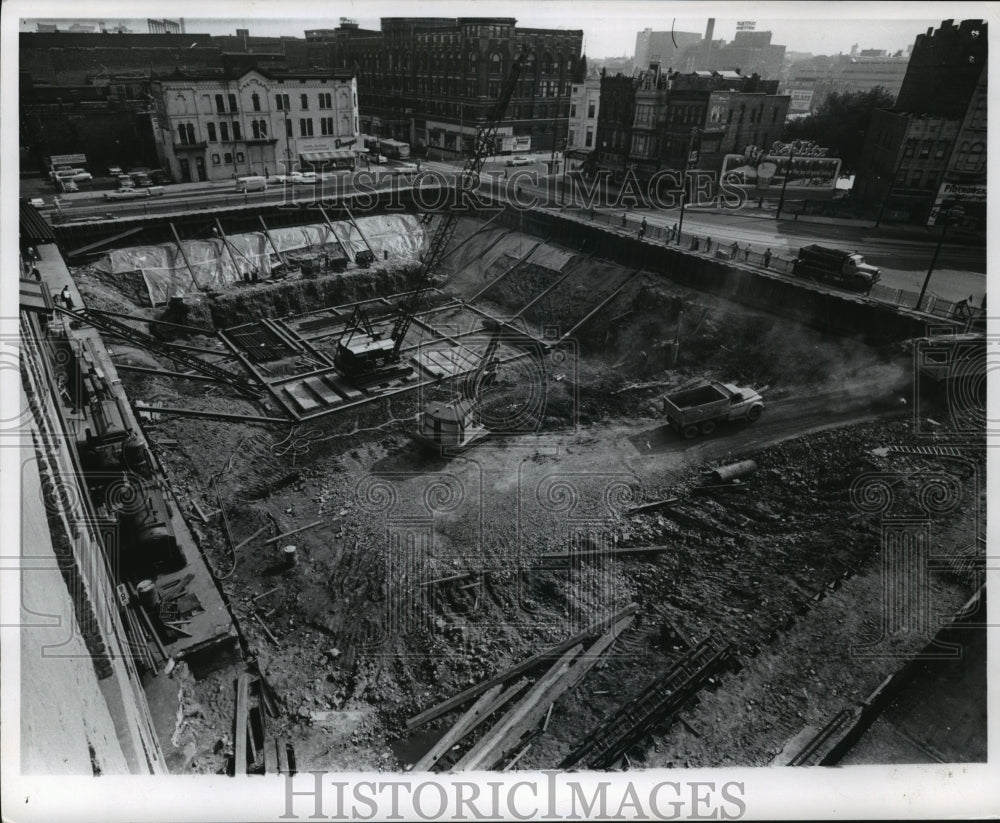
x: 766, y: 172
x: 515, y: 143
x: 970, y: 198
x: 57, y: 160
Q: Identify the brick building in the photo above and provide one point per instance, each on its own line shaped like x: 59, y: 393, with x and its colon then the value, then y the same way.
x: 931, y: 149
x: 647, y: 122
x: 584, y: 109
x: 225, y: 125
x: 429, y: 81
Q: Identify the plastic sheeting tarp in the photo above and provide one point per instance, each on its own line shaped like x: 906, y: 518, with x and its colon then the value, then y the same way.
x: 215, y: 264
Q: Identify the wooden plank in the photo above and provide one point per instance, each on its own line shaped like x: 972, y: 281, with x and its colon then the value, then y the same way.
x: 349, y: 392
x: 527, y: 665
x: 104, y: 242
x: 240, y: 735
x: 180, y: 248
x: 458, y: 731
x: 270, y: 756
x: 299, y: 396
x: 323, y: 391
x: 282, y: 536
x: 282, y: 746
x: 507, y: 735
x: 603, y: 552
x: 645, y: 507
x: 484, y: 750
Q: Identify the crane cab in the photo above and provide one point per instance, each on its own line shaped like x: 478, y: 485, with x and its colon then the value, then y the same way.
x: 450, y: 424
x: 364, y: 354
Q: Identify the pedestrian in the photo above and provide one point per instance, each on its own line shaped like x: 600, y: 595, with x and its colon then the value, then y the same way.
x: 694, y: 244
x: 66, y: 298
x: 767, y: 258
x: 746, y: 254
x: 36, y: 273
x: 708, y: 244
x: 644, y: 224
x: 624, y: 219
x: 734, y: 250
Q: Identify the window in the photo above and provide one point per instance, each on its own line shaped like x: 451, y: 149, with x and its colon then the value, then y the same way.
x: 909, y: 149
x: 224, y: 131
x: 306, y: 127
x: 590, y: 137
x: 190, y: 133
x: 216, y: 160
x: 236, y: 131
x: 228, y: 157
x: 232, y: 102
x: 572, y: 109
x: 220, y: 106
x: 571, y: 138
x: 255, y: 100
x: 304, y: 99
x: 326, y: 100
x: 916, y: 178
x: 182, y: 135
x: 239, y: 157
x: 263, y: 128
x: 591, y: 110
x: 925, y: 149
x: 326, y: 125
x: 255, y: 129
x: 288, y: 128
x: 211, y: 132
x: 281, y: 101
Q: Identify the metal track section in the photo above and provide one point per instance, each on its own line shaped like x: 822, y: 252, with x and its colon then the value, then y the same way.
x: 663, y: 698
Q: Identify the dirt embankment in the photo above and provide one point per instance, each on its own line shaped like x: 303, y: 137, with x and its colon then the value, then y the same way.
x: 369, y: 629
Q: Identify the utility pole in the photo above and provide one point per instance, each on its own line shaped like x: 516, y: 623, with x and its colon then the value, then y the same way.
x: 953, y: 214
x: 687, y: 165
x: 784, y: 182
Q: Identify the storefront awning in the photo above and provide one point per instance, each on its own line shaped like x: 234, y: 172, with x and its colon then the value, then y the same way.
x: 326, y: 156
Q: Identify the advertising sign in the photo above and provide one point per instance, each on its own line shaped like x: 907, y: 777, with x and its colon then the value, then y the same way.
x: 67, y: 160
x: 518, y: 143
x: 970, y: 198
x: 767, y: 172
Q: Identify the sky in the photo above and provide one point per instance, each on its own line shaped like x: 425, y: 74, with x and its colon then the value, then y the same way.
x: 609, y: 26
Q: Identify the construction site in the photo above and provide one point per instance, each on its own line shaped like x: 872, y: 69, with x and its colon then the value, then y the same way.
x: 392, y: 491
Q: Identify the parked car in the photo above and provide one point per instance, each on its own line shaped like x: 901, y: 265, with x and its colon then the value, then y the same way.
x: 405, y: 168
x: 160, y: 177
x: 125, y: 182
x: 68, y: 185
x: 520, y: 161
x: 124, y: 194
x: 37, y: 202
x: 115, y: 171
x: 76, y: 175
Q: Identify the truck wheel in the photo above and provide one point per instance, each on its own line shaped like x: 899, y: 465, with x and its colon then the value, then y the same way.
x: 708, y: 427
x: 690, y: 432
x: 753, y: 415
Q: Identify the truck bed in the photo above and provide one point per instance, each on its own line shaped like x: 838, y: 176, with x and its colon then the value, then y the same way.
x: 696, y: 397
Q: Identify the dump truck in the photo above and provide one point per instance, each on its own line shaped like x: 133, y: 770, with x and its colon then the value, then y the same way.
x: 836, y: 267
x: 701, y: 409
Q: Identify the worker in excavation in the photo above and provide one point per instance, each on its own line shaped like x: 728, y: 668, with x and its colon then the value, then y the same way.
x: 66, y: 298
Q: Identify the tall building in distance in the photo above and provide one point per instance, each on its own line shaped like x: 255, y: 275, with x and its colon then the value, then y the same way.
x: 810, y: 82
x: 944, y: 69
x: 662, y: 47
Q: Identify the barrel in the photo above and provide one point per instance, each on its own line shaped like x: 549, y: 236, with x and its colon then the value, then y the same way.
x: 148, y: 594
x: 290, y: 555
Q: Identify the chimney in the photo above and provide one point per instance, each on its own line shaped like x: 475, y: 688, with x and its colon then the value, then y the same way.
x: 710, y: 29
x: 709, y: 33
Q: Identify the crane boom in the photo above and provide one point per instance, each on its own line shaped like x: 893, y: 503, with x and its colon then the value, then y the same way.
x: 361, y: 354
x: 467, y: 180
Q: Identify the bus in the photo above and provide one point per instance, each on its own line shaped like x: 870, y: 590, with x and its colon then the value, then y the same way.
x: 393, y: 149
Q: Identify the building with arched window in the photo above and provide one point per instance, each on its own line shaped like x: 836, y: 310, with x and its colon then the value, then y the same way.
x: 929, y: 153
x: 225, y: 125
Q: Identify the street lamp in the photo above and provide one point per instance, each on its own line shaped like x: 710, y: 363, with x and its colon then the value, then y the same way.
x: 695, y: 131
x: 953, y: 215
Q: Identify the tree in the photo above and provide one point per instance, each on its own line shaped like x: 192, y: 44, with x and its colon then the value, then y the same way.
x: 841, y: 122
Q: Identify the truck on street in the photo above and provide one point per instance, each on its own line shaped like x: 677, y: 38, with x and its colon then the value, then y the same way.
x: 701, y: 409
x: 836, y: 267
